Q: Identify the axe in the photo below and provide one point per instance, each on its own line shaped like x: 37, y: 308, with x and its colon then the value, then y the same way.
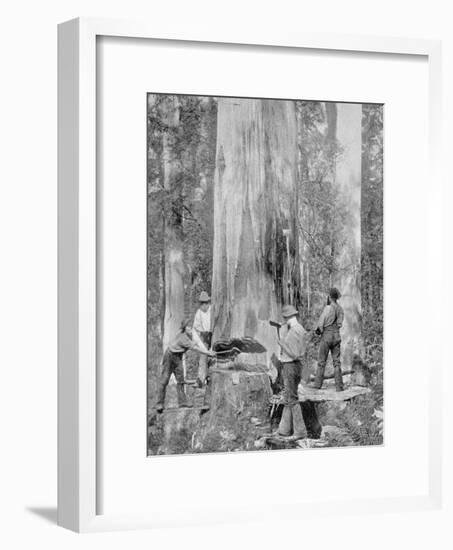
x: 278, y: 326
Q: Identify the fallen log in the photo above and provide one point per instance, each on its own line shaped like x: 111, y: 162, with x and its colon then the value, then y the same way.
x: 275, y: 441
x: 331, y: 436
x: 307, y: 394
x: 330, y: 394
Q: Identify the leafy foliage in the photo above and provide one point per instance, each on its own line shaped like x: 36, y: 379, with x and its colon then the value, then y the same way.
x: 372, y: 260
x: 323, y: 211
x: 364, y: 417
x: 181, y: 163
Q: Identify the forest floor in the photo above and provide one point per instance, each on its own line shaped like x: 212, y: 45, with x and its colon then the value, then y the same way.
x: 348, y: 420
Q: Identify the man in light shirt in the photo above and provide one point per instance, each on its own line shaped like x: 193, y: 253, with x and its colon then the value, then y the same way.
x: 329, y: 325
x: 292, y: 346
x: 202, y: 330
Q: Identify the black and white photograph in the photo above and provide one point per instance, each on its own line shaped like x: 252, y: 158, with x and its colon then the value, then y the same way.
x: 226, y: 276
x: 265, y: 274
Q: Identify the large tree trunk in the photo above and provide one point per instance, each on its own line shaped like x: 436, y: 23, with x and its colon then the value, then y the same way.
x: 253, y: 203
x: 348, y: 181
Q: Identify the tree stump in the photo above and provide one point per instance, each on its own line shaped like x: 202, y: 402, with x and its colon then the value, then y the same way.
x: 238, y: 414
x: 239, y: 409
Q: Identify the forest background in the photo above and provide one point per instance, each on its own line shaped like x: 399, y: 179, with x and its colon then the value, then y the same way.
x: 322, y: 231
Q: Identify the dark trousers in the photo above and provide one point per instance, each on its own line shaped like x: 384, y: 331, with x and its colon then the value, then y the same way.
x: 171, y: 364
x: 330, y: 342
x: 292, y: 373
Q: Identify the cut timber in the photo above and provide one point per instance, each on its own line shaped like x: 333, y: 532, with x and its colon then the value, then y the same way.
x: 329, y: 394
x: 332, y: 436
x: 276, y: 441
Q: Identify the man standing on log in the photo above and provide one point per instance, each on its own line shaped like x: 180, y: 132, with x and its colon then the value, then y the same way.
x: 292, y: 350
x: 329, y: 325
x: 202, y: 328
x: 172, y: 364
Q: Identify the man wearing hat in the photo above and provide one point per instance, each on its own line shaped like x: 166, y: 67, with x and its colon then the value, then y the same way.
x: 172, y: 364
x: 329, y: 325
x: 292, y: 346
x: 202, y: 329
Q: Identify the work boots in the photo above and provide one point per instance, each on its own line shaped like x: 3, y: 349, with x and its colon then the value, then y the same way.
x: 286, y: 422
x: 299, y: 430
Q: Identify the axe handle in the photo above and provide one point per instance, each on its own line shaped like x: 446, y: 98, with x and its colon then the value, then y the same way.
x: 227, y: 351
x: 277, y: 326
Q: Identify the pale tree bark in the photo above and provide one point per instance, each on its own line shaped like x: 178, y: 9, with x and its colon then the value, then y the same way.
x: 174, y: 258
x: 348, y: 181
x: 254, y: 191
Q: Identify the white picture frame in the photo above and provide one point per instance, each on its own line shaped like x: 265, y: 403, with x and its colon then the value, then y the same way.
x: 77, y: 225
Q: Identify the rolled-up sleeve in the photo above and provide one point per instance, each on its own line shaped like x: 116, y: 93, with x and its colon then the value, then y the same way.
x: 197, y: 340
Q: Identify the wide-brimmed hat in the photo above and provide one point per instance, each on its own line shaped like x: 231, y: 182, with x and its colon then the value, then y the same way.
x: 289, y: 311
x: 204, y: 297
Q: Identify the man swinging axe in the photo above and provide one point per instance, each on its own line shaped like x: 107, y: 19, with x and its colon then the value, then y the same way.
x: 172, y: 363
x: 292, y: 347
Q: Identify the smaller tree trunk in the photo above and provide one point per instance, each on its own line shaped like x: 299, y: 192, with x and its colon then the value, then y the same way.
x: 174, y: 256
x: 348, y: 181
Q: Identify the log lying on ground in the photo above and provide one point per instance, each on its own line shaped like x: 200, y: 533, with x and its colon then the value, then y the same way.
x: 275, y: 441
x: 332, y: 436
x: 330, y: 394
x: 309, y: 399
